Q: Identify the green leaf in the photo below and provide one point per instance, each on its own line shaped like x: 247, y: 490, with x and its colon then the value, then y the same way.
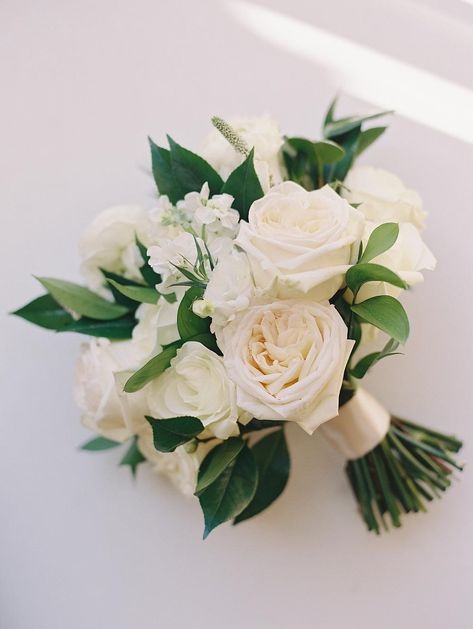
x: 100, y: 443
x: 116, y: 329
x: 349, y: 142
x: 147, y: 272
x: 365, y: 363
x: 163, y: 173
x: 273, y: 463
x: 367, y: 138
x: 191, y: 171
x: 255, y: 425
x: 133, y: 457
x: 360, y: 274
x: 387, y: 314
x: 151, y: 369
x: 123, y: 281
x: 208, y: 340
x: 45, y: 312
x: 141, y: 294
x: 329, y: 116
x: 231, y: 492
x: 168, y: 434
x: 81, y: 300
x: 335, y: 128
x: 217, y: 461
x: 328, y: 152
x: 244, y: 186
x: 381, y: 239
x: 188, y: 323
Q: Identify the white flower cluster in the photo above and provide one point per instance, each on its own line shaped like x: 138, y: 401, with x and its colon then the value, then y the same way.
x: 268, y: 281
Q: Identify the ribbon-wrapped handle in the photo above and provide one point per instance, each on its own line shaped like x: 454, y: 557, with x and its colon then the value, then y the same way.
x: 361, y: 425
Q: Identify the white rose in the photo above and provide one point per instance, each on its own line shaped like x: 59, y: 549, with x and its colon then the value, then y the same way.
x: 259, y: 132
x: 287, y: 360
x: 180, y: 466
x: 302, y: 241
x: 408, y: 257
x: 229, y: 291
x: 383, y: 196
x: 157, y: 326
x: 101, y: 372
x: 109, y: 243
x: 197, y: 385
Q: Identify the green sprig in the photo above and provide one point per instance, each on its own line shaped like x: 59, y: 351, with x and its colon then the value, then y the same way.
x: 230, y: 135
x: 411, y: 466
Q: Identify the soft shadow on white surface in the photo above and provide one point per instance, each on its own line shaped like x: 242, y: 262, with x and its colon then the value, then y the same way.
x: 81, y: 545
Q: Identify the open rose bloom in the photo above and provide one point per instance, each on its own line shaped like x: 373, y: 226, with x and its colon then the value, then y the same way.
x: 243, y: 302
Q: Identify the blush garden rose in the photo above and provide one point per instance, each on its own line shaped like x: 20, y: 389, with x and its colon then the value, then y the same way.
x: 287, y: 360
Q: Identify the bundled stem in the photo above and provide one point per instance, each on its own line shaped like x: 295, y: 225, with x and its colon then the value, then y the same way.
x: 410, y: 467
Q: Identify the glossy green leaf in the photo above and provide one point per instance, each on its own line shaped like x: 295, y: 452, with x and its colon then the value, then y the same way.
x: 163, y: 173
x: 255, y: 425
x: 231, y: 492
x: 168, y: 434
x: 381, y: 239
x: 188, y: 323
x: 217, y: 461
x: 362, y: 273
x: 335, y: 128
x: 100, y: 443
x: 273, y: 463
x: 123, y: 281
x: 147, y: 272
x: 387, y: 314
x: 133, y: 457
x: 328, y: 152
x: 329, y: 116
x: 81, y: 300
x: 45, y: 312
x: 191, y: 171
x: 244, y: 186
x: 152, y: 369
x: 367, y: 138
x: 208, y: 340
x: 141, y: 294
x: 349, y: 142
x: 368, y: 361
x: 116, y: 329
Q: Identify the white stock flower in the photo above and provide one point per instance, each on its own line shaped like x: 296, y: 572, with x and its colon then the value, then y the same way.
x: 197, y: 385
x: 157, y: 326
x: 169, y: 221
x: 109, y: 243
x: 303, y: 241
x: 169, y: 253
x: 287, y: 360
x: 166, y: 255
x: 180, y: 466
x: 383, y: 196
x: 259, y: 132
x: 101, y: 372
x: 229, y: 291
x: 215, y: 213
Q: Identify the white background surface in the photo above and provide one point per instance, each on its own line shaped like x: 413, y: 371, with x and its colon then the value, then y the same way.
x: 82, y: 546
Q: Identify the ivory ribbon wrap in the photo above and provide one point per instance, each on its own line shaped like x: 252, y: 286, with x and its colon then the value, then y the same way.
x: 361, y: 424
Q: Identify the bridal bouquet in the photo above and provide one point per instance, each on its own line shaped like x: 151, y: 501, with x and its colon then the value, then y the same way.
x: 247, y: 298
